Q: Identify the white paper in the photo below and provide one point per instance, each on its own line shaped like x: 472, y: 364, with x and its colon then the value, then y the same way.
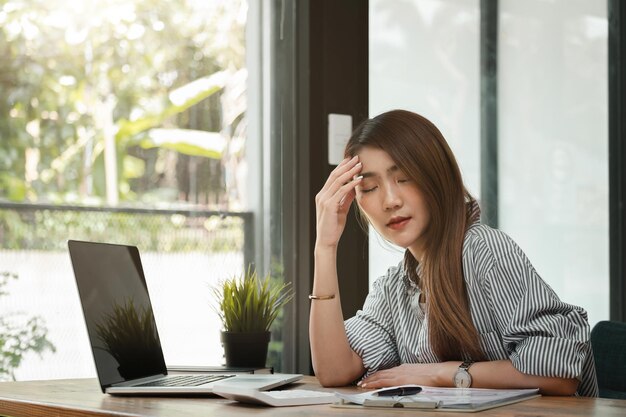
x: 447, y: 397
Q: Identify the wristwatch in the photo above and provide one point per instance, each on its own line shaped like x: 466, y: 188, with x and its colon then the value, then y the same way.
x: 462, y: 378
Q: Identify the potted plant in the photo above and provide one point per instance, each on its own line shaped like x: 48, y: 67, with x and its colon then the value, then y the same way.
x: 247, y: 306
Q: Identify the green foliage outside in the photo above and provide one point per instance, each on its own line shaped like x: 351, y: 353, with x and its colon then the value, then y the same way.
x: 160, y: 83
x: 50, y: 230
x: 19, y: 336
x: 164, y: 83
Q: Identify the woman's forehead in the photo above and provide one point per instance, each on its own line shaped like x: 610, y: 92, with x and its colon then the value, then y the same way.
x: 376, y: 161
x: 371, y: 154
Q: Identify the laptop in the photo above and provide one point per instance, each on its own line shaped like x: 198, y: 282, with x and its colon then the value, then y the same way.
x: 123, y: 334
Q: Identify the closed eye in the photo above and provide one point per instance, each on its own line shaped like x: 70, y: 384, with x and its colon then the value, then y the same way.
x: 368, y: 190
x: 401, y: 180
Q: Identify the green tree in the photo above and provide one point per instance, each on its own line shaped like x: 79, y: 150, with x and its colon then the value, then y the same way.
x: 86, y: 84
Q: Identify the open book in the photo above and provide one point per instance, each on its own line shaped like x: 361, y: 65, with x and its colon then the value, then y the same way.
x: 443, y: 399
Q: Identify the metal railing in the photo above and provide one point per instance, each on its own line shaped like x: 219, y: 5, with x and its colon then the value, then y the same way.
x: 48, y: 227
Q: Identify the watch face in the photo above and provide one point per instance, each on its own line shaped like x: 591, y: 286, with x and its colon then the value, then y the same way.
x: 462, y: 379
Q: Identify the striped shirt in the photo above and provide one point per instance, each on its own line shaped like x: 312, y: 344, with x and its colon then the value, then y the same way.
x: 517, y: 315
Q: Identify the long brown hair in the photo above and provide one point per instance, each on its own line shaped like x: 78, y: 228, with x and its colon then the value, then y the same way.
x: 419, y: 149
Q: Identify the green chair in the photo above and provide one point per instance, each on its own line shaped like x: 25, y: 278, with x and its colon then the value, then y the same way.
x: 608, y: 340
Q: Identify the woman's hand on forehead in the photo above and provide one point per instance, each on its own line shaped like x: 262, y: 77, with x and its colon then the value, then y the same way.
x: 334, y: 200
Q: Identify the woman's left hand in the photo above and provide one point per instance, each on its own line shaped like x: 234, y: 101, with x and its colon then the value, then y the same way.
x: 431, y: 374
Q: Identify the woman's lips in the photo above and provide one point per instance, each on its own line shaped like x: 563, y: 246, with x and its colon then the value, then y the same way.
x: 398, y: 223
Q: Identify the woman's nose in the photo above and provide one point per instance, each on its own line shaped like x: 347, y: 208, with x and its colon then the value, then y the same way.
x: 392, y: 199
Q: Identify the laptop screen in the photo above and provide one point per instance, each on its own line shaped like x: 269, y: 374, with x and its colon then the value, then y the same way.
x: 118, y: 313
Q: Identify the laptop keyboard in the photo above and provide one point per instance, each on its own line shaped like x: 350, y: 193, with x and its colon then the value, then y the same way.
x: 183, y: 380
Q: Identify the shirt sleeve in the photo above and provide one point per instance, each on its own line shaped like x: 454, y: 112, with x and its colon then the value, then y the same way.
x: 371, y: 333
x: 543, y: 335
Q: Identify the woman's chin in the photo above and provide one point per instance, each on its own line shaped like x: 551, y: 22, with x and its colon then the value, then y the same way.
x: 398, y: 242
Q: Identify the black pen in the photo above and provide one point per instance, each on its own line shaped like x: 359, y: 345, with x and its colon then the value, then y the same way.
x: 399, y: 391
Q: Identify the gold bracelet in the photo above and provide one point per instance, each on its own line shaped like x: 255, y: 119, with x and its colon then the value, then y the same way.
x: 321, y: 297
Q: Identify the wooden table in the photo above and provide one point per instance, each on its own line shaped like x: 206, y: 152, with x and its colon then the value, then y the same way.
x: 82, y: 397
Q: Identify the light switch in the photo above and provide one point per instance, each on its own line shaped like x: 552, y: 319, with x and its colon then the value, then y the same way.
x: 339, y: 131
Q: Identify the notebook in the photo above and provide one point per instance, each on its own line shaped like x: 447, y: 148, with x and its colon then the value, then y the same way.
x: 122, y: 331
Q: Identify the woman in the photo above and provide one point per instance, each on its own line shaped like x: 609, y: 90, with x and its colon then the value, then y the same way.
x: 464, y: 308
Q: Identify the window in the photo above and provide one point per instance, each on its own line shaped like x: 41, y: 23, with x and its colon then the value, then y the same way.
x: 552, y: 123
x: 128, y: 122
x: 553, y: 135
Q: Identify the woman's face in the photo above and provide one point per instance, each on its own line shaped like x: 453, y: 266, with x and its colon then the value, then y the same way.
x: 392, y: 201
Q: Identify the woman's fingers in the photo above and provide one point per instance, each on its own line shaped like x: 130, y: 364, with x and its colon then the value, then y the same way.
x: 379, y: 383
x: 347, y: 193
x: 341, y: 183
x: 379, y: 379
x: 344, y: 165
x: 341, y: 174
x: 332, y: 205
x: 338, y: 198
x: 331, y: 178
x: 334, y: 200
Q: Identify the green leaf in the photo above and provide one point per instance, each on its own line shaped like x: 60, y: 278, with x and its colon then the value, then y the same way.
x: 181, y: 98
x: 128, y: 128
x: 187, y: 141
x: 15, y: 188
x: 248, y: 303
x: 197, y: 90
x: 133, y: 167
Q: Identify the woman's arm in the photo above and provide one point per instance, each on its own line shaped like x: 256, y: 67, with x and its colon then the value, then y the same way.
x: 334, y: 361
x: 491, y: 374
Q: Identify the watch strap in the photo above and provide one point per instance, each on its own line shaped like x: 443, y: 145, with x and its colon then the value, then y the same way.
x: 466, y: 364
